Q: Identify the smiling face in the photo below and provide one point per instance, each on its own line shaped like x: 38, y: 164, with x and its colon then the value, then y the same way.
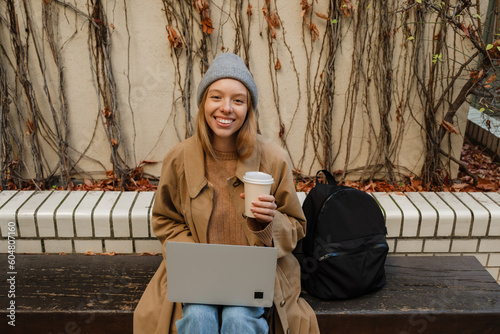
x: 226, y: 108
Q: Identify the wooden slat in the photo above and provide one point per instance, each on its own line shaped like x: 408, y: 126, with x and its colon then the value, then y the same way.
x: 473, y: 131
x: 446, y: 216
x: 93, y: 294
x: 26, y: 214
x: 141, y: 213
x: 480, y: 214
x: 411, y: 216
x: 428, y: 215
x: 393, y: 215
x: 65, y: 212
x: 45, y: 214
x: 462, y: 213
x: 445, y: 295
x: 493, y: 143
x: 121, y: 212
x: 98, y: 294
x: 101, y: 216
x: 83, y: 214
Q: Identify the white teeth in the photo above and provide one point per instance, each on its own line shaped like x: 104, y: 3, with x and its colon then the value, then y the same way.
x: 224, y: 121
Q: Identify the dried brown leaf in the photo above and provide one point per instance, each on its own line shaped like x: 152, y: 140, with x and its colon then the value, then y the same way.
x: 109, y: 254
x: 492, y: 78
x: 459, y: 186
x: 305, y: 7
x: 107, y: 113
x: 207, y: 25
x: 321, y: 16
x: 347, y: 8
x: 201, y: 5
x: 449, y: 127
x: 282, y: 130
x: 465, y: 29
x: 148, y: 254
x: 314, y: 32
x: 278, y: 64
x: 275, y: 20
x: 147, y: 162
x: 30, y: 126
x: 270, y: 23
x: 173, y: 38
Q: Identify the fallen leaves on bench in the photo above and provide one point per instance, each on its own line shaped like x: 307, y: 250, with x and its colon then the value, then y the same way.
x: 478, y: 161
x: 148, y: 254
x: 91, y: 253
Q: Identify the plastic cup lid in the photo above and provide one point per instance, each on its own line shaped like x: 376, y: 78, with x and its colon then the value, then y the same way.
x: 258, y: 178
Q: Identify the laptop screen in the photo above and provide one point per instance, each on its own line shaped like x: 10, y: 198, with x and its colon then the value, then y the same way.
x: 220, y: 274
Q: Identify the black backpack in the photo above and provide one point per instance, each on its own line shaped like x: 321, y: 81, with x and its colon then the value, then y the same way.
x: 343, y: 253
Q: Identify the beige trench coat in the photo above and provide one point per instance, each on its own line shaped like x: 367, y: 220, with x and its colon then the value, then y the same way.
x: 181, y: 212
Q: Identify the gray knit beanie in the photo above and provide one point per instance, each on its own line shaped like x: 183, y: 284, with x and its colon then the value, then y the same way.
x: 228, y: 66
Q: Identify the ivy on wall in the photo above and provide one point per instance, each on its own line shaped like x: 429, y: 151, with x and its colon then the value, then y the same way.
x: 408, y: 68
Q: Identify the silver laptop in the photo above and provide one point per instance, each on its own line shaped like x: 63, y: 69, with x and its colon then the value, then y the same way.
x: 220, y: 274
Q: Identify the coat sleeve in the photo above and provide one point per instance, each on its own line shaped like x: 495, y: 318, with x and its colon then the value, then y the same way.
x: 168, y: 220
x: 289, y: 223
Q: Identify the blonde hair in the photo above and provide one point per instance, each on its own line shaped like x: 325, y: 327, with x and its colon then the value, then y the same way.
x: 247, y: 134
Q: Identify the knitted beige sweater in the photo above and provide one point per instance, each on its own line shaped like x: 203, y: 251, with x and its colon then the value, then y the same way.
x: 224, y: 226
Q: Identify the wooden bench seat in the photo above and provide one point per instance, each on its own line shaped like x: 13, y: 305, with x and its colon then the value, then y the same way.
x: 97, y: 294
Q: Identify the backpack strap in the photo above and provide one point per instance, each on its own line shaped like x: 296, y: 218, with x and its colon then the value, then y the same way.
x: 330, y: 179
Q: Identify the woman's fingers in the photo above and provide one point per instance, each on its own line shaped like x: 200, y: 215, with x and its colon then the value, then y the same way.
x: 264, y: 208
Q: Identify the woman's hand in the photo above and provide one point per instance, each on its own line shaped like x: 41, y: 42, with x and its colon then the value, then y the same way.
x: 264, y: 208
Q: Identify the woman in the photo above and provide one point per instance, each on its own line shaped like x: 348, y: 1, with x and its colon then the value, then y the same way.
x: 200, y: 199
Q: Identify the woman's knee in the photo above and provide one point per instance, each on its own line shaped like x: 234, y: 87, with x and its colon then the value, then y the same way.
x: 241, y: 312
x: 247, y: 319
x: 200, y: 312
x: 198, y: 318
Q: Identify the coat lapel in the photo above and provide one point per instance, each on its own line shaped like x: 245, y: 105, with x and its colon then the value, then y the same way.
x: 200, y: 191
x: 194, y: 164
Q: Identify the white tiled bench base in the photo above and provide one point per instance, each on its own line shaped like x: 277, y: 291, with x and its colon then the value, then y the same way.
x: 425, y: 223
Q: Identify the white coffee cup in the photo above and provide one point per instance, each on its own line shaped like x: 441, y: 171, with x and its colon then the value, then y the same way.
x: 256, y: 184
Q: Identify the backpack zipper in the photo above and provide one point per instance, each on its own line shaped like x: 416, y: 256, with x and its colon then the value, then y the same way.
x: 353, y: 251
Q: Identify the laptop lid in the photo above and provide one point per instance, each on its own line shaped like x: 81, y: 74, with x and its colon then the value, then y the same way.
x: 220, y: 274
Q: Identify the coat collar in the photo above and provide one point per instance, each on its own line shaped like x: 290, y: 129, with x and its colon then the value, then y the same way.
x: 194, y: 164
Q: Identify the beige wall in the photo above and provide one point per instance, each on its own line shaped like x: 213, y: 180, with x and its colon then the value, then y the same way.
x: 149, y: 101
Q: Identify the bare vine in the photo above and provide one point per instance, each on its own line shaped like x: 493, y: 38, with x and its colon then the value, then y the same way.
x: 407, y: 68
